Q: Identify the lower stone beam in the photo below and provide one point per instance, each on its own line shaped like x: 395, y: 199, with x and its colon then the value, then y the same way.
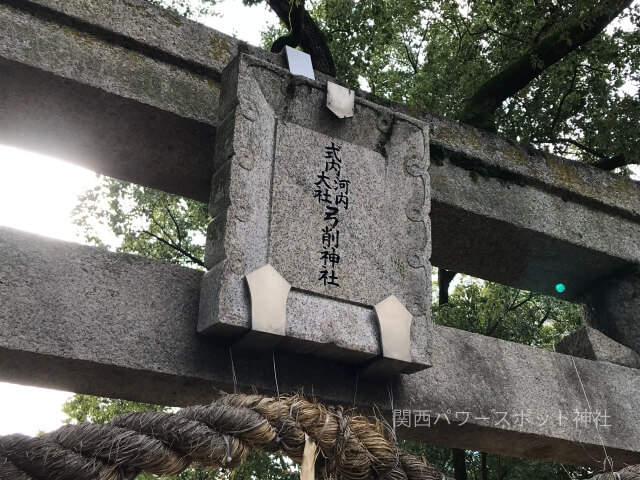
x: 82, y: 319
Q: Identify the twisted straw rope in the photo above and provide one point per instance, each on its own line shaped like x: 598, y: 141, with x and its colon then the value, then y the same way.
x: 629, y: 473
x: 217, y: 435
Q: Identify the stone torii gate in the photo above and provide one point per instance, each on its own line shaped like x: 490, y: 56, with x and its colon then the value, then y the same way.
x: 136, y: 93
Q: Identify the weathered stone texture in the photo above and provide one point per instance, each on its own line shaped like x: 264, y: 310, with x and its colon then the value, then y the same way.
x: 493, y: 155
x: 85, y: 320
x: 68, y: 301
x: 555, y: 220
x: 526, y: 220
x: 613, y: 307
x: 592, y: 344
x: 159, y: 31
x: 121, y: 87
x: 139, y: 89
x: 83, y: 58
x: 474, y: 373
x: 270, y: 152
x: 107, y: 133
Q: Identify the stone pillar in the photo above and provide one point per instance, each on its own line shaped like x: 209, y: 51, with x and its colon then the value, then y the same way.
x: 613, y: 307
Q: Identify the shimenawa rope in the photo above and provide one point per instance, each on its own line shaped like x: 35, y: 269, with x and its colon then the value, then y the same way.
x: 220, y: 434
x: 628, y: 473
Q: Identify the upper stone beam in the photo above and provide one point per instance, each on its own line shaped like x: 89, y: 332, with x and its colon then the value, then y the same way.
x: 121, y: 87
x: 525, y: 218
x: 140, y: 25
x: 137, y: 58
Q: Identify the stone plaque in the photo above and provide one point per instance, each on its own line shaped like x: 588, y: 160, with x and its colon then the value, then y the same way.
x: 337, y: 207
x: 327, y: 215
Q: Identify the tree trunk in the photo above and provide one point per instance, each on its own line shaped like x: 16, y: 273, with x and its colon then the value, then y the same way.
x: 459, y: 459
x: 485, y: 467
x: 459, y: 464
x: 444, y: 280
x: 307, y: 33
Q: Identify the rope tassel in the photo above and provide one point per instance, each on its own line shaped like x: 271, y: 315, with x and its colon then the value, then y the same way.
x: 217, y: 435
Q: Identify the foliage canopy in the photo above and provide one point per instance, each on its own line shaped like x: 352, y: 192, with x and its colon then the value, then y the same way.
x: 558, y: 75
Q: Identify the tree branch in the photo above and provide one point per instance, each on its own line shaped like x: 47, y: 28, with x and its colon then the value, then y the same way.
x: 604, y: 162
x: 412, y: 61
x: 175, y: 223
x: 488, y: 28
x: 460, y: 34
x: 544, y: 318
x: 459, y: 464
x: 444, y: 280
x: 513, y: 306
x: 446, y: 27
x: 546, y: 26
x: 479, y: 110
x: 612, y: 163
x: 581, y: 146
x: 184, y: 252
x: 159, y: 225
x: 485, y: 467
x: 572, y: 85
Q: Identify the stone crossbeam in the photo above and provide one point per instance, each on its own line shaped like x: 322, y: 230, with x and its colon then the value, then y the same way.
x: 82, y: 319
x: 105, y: 85
x: 527, y: 219
x: 132, y: 92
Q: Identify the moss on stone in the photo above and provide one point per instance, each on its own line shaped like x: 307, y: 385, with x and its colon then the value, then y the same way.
x: 567, y: 174
x: 515, y: 154
x: 219, y: 50
x: 172, y: 17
